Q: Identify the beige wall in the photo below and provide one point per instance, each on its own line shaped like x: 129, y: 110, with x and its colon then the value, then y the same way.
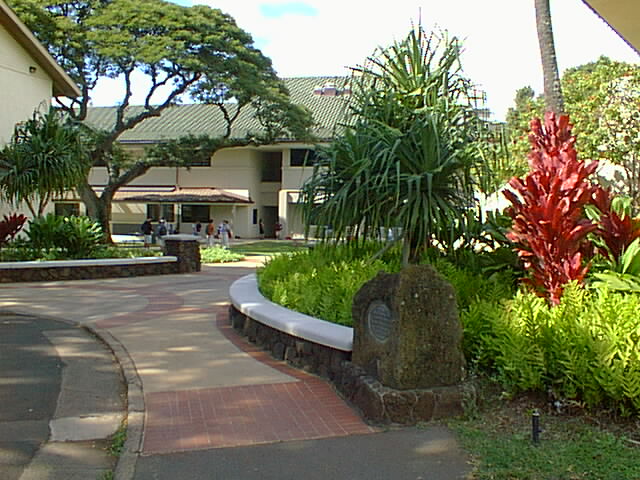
x: 237, y: 169
x: 22, y: 91
x: 293, y: 177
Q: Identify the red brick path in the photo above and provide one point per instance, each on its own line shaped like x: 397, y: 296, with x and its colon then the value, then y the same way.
x: 305, y: 408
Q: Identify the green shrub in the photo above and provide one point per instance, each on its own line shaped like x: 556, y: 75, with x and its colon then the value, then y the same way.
x: 112, y: 251
x: 64, y: 237
x: 320, y: 283
x: 586, y: 349
x: 219, y: 255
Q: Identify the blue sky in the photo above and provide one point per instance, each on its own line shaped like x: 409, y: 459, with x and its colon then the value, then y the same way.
x: 325, y: 37
x: 279, y: 10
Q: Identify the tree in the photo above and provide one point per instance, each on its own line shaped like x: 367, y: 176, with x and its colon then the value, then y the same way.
x: 195, y: 52
x: 552, y: 90
x: 407, y: 155
x: 601, y: 98
x: 47, y: 156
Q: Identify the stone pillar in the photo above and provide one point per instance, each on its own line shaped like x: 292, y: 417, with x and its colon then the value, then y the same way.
x: 407, y: 333
x: 186, y: 248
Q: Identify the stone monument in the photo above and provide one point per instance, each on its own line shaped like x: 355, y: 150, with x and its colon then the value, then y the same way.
x: 407, y: 332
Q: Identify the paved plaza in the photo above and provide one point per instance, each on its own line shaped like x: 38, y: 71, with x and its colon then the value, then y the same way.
x: 203, y: 400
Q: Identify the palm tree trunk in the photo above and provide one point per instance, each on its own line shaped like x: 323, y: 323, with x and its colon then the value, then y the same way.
x: 552, y: 91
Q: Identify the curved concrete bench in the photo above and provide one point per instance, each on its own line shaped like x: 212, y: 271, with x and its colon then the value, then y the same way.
x: 248, y: 300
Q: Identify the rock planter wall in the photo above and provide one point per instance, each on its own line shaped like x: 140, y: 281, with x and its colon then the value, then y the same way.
x: 186, y: 259
x: 378, y: 403
x: 304, y: 354
x: 382, y: 404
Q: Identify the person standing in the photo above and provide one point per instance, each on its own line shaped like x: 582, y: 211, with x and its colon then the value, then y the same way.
x: 225, y: 233
x: 211, y: 233
x: 161, y: 231
x: 147, y: 230
x: 261, y: 229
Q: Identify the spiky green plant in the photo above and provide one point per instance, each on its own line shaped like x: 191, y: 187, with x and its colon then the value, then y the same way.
x: 409, y: 150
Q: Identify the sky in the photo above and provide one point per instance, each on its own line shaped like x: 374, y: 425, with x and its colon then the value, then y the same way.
x: 501, y: 54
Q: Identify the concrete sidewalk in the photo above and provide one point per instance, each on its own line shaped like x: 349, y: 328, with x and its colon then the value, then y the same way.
x: 196, y: 389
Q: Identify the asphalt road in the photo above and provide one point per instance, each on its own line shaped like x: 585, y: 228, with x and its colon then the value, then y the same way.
x: 428, y: 453
x: 31, y: 375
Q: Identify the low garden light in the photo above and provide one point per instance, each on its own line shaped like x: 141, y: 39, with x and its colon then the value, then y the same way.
x: 535, y: 427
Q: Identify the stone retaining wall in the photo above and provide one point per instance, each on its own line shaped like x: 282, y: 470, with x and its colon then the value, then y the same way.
x: 85, y: 272
x: 304, y: 354
x: 376, y: 402
x: 182, y: 255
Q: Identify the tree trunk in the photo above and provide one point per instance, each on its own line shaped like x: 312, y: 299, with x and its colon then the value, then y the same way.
x: 98, y: 208
x: 552, y: 91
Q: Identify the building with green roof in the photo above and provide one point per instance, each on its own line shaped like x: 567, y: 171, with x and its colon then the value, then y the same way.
x: 241, y: 184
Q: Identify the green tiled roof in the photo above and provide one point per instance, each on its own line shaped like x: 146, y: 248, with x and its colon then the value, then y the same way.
x: 199, y: 119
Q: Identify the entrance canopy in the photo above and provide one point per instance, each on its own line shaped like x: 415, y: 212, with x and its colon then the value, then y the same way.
x: 173, y: 194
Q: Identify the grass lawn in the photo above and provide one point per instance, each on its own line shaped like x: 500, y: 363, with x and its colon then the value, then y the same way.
x: 573, y: 445
x: 268, y: 247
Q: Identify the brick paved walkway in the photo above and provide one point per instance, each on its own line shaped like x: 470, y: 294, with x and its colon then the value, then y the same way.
x: 204, y: 386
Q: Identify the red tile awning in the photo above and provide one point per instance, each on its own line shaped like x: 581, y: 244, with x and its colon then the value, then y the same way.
x: 172, y: 194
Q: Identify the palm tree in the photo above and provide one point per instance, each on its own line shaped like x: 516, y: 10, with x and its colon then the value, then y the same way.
x: 552, y: 91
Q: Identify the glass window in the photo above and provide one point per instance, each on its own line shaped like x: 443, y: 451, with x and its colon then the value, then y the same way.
x: 195, y: 213
x: 302, y: 157
x: 67, y: 209
x: 156, y: 211
x: 272, y: 167
x: 199, y: 160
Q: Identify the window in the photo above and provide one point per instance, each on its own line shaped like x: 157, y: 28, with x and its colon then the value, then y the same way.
x: 67, y: 209
x: 156, y: 211
x: 272, y: 167
x: 195, y: 213
x: 199, y: 160
x: 302, y: 157
x: 255, y: 216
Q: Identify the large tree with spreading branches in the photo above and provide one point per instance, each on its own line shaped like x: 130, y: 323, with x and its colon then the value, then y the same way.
x: 195, y: 52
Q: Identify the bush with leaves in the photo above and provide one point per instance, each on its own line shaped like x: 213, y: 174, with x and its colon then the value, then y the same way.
x: 219, y: 255
x: 587, y: 348
x: 65, y: 237
x: 10, y: 225
x: 550, y: 228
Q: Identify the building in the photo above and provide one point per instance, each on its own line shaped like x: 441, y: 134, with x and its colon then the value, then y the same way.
x: 243, y: 185
x: 622, y: 16
x: 29, y: 76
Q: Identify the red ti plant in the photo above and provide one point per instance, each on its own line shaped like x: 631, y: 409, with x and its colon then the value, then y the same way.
x: 10, y: 226
x: 549, y: 225
x: 617, y: 230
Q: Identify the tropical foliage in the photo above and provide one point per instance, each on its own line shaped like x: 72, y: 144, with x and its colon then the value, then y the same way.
x: 549, y: 224
x: 601, y: 98
x: 219, y: 255
x: 70, y: 237
x: 409, y: 151
x: 10, y: 225
x: 195, y: 51
x: 585, y: 350
x: 46, y: 157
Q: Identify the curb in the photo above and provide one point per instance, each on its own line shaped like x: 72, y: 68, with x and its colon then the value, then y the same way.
x: 126, y: 463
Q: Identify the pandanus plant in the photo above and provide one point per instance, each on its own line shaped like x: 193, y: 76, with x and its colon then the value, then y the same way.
x: 406, y: 157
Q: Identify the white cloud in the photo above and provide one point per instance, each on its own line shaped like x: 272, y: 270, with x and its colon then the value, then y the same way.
x: 501, y: 50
